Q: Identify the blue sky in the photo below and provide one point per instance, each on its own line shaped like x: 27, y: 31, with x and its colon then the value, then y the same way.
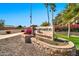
x: 19, y: 13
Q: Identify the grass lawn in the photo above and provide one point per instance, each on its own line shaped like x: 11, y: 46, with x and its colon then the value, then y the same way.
x: 75, y: 40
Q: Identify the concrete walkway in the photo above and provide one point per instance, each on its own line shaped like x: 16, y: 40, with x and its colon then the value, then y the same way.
x: 9, y: 35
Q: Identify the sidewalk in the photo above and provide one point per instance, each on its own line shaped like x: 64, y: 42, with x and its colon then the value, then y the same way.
x: 9, y: 35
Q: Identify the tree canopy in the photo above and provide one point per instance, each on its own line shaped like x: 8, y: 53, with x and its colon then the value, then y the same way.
x: 44, y: 24
x: 69, y: 15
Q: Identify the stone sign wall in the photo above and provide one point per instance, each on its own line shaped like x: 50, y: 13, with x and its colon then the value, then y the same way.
x: 50, y: 49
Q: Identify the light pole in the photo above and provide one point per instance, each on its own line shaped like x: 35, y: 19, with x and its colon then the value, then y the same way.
x: 30, y: 14
x: 31, y: 19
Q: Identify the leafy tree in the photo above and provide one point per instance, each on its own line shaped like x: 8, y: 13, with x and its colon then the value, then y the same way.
x: 45, y: 24
x: 19, y: 27
x: 2, y: 23
x: 68, y: 16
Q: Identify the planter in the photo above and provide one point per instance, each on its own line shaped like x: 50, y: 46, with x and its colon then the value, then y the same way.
x: 53, y: 49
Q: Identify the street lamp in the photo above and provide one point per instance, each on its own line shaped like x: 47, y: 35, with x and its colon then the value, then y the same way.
x: 30, y: 14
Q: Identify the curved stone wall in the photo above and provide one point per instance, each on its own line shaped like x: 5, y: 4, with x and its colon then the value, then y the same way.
x: 53, y: 50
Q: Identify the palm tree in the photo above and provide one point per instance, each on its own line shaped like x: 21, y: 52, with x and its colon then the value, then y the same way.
x: 46, y: 5
x: 52, y: 6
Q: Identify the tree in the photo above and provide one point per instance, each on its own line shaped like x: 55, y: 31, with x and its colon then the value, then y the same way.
x: 52, y: 6
x: 46, y: 5
x: 2, y: 23
x: 44, y: 24
x: 68, y: 15
x: 19, y: 27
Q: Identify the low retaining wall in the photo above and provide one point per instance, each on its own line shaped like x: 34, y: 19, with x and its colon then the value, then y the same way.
x: 53, y: 50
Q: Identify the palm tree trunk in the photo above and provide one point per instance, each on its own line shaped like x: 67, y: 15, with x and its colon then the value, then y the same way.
x: 52, y: 27
x: 69, y: 30
x: 48, y: 16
